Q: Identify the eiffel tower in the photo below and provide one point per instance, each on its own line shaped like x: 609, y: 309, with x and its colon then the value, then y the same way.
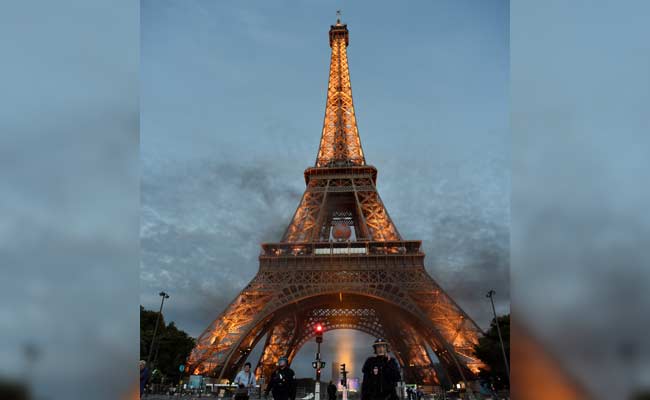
x: 343, y: 264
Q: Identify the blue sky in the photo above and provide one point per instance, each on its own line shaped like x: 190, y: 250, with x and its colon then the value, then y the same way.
x: 232, y: 102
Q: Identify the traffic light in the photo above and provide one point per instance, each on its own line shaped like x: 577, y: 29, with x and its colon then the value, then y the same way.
x: 319, y: 333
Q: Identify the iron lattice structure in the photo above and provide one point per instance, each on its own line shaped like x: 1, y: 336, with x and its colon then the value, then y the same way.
x: 367, y: 278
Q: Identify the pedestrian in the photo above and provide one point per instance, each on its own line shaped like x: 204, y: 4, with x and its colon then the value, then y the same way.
x: 282, y: 384
x: 246, y: 378
x: 144, y: 375
x: 331, y: 391
x: 380, y: 374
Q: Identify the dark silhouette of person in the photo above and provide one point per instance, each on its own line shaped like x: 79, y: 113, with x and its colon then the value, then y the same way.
x: 282, y: 384
x: 380, y: 374
x: 331, y: 391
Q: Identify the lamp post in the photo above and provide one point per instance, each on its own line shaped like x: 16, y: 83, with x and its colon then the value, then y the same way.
x: 155, y: 329
x: 491, y: 294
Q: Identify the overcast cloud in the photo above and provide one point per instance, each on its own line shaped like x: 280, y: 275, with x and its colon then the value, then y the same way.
x: 580, y: 217
x: 69, y: 197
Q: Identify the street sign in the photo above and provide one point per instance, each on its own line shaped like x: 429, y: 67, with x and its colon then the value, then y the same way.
x: 181, y: 368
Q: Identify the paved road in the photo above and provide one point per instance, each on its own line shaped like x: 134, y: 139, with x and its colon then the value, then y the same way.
x: 184, y: 397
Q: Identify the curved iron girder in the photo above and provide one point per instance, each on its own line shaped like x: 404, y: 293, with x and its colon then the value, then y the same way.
x: 411, y: 289
x: 362, y: 319
x: 391, y: 293
x: 447, y: 354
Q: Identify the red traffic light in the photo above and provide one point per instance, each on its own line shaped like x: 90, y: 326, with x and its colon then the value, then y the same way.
x: 319, y: 333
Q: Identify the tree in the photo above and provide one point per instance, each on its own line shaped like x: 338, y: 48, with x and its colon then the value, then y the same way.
x: 489, y: 351
x: 172, y: 346
x: 13, y: 390
x: 147, y: 326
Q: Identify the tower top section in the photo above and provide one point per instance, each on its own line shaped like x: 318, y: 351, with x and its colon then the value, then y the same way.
x: 339, y: 31
x: 340, y: 145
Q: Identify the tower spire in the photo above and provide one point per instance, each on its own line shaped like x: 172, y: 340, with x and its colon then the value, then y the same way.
x: 340, y: 144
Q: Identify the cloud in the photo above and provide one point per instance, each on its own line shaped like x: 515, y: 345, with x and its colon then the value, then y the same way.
x: 203, y: 221
x: 71, y: 267
x: 202, y: 224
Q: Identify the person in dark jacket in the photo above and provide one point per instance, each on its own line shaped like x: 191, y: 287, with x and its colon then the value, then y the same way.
x: 282, y: 384
x: 144, y: 376
x: 380, y: 374
x: 331, y: 391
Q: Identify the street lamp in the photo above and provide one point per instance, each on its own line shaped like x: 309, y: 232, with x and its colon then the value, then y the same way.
x: 155, y: 329
x: 491, y: 294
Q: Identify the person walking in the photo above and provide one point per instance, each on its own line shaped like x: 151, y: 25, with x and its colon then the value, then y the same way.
x: 282, y: 384
x: 331, y: 391
x: 380, y: 374
x: 245, y: 379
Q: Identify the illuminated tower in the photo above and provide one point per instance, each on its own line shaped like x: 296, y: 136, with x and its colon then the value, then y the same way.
x: 342, y: 263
